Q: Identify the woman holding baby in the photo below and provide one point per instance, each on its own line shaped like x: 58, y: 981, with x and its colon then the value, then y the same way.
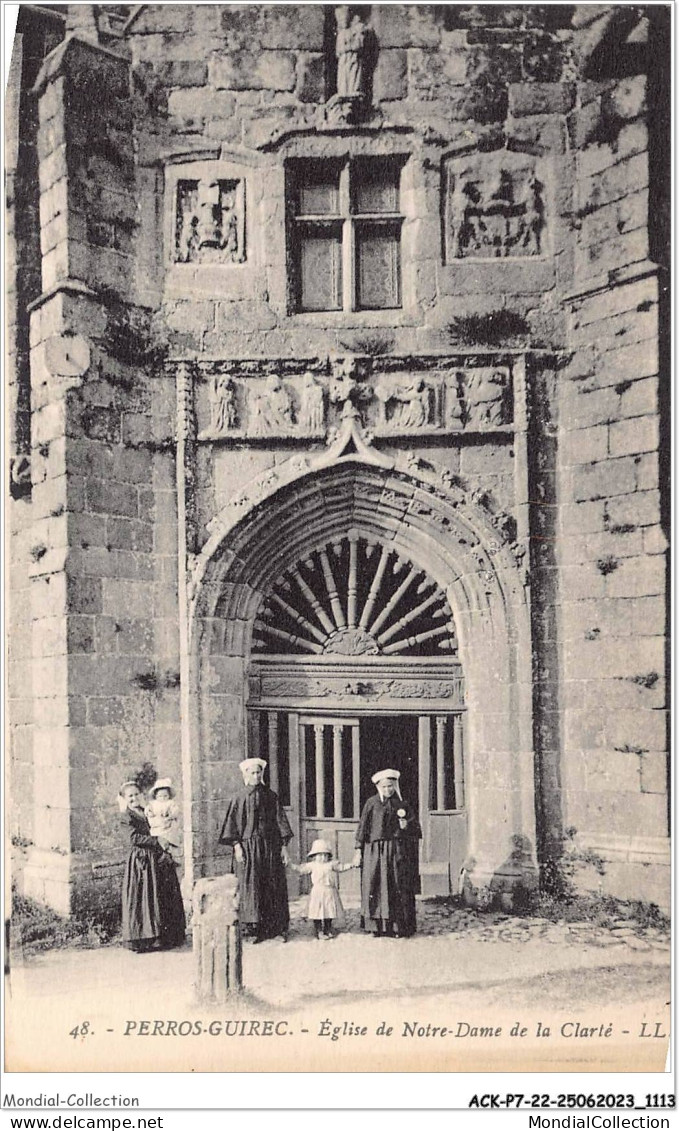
x: 153, y: 911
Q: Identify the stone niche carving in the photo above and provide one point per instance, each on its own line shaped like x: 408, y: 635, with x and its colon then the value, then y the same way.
x: 494, y: 207
x: 355, y: 59
x: 210, y: 221
x: 438, y: 396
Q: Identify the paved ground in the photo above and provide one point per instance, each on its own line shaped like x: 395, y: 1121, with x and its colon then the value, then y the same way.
x: 471, y: 973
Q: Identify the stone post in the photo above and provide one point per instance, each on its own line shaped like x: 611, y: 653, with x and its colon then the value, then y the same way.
x: 217, y: 942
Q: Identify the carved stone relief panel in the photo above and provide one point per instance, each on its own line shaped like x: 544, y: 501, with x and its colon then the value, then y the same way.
x: 369, y: 689
x: 494, y: 206
x: 301, y: 681
x: 210, y: 221
x: 395, y: 397
x: 271, y: 406
x: 210, y: 208
x: 484, y: 397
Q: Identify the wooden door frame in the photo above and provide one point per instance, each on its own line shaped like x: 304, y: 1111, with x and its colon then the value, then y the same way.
x: 352, y: 715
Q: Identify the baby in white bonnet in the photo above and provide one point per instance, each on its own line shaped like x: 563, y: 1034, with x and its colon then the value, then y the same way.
x: 163, y: 815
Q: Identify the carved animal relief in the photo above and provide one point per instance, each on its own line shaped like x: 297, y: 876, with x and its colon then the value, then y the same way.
x: 495, y: 214
x: 210, y: 221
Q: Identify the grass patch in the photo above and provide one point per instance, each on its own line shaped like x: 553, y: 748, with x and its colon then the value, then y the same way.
x: 599, y: 910
x: 35, y: 928
x: 493, y: 329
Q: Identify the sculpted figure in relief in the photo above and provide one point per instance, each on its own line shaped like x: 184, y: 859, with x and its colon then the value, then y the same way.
x: 223, y: 407
x: 312, y: 408
x: 534, y: 216
x: 188, y: 241
x: 350, y: 48
x: 229, y: 228
x: 270, y: 410
x: 210, y: 226
x: 454, y: 411
x: 412, y: 403
x: 209, y: 214
x: 486, y: 398
x: 346, y: 389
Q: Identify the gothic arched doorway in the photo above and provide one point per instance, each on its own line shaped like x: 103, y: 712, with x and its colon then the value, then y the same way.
x: 355, y: 667
x: 349, y: 611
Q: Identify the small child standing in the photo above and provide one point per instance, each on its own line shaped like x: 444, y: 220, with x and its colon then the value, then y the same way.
x: 162, y: 814
x: 325, y: 905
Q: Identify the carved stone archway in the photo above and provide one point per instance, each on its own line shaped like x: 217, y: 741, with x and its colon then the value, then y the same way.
x: 427, y: 519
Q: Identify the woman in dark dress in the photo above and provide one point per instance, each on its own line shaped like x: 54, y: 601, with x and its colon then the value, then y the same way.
x: 387, y: 850
x: 153, y: 911
x: 257, y: 829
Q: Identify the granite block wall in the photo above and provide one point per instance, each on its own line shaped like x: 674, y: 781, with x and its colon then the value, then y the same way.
x: 613, y: 492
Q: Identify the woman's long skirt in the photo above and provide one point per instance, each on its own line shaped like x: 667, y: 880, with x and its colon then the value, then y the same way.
x: 263, y: 888
x: 153, y: 911
x: 388, y: 885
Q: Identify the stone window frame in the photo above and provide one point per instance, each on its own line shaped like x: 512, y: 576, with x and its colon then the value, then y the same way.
x: 347, y: 220
x: 419, y: 207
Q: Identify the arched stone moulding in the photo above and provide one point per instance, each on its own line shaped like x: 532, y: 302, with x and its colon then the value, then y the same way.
x: 426, y: 517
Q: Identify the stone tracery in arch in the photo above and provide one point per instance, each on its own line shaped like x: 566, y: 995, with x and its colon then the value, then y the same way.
x: 355, y: 596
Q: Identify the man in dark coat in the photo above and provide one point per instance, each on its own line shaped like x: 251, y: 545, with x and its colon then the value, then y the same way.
x: 258, y: 830
x: 387, y: 850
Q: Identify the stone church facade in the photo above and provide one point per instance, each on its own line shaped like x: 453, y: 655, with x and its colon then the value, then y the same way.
x: 338, y: 431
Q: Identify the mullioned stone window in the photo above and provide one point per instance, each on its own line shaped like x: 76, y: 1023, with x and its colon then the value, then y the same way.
x: 345, y: 234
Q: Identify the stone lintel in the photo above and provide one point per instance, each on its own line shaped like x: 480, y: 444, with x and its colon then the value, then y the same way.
x: 183, y: 156
x: 324, y: 129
